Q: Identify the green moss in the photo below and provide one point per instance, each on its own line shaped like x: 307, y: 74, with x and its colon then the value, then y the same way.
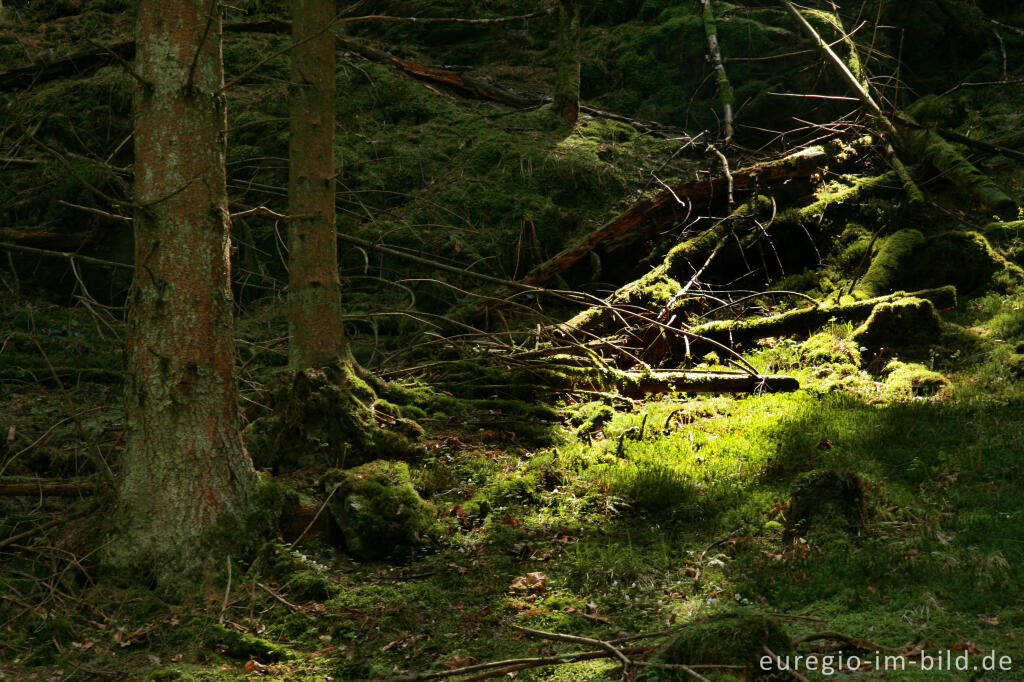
x: 913, y: 380
x: 243, y: 646
x: 326, y: 417
x: 905, y: 323
x: 825, y: 500
x: 827, y: 348
x: 1009, y: 231
x: 379, y: 512
x: 590, y: 417
x: 963, y: 259
x: 886, y: 263
x: 732, y: 638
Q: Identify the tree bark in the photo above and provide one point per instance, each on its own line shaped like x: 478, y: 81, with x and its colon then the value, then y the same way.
x: 314, y: 289
x: 184, y: 467
x: 725, y: 92
x: 567, y: 68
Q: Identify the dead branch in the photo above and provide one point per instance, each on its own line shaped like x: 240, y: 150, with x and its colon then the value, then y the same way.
x: 517, y: 664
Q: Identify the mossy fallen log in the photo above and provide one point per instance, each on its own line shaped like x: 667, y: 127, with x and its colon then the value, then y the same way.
x: 659, y: 286
x: 885, y: 263
x: 807, y: 320
x: 637, y: 385
x: 929, y: 147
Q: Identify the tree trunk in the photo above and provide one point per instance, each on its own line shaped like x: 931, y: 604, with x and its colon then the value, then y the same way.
x: 184, y: 467
x: 567, y: 68
x: 314, y: 290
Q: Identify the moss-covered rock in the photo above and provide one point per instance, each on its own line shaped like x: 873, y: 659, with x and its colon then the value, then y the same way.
x: 904, y: 323
x: 378, y: 510
x: 833, y: 500
x: 734, y: 638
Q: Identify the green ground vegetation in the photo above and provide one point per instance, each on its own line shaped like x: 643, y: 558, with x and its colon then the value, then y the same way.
x: 504, y: 483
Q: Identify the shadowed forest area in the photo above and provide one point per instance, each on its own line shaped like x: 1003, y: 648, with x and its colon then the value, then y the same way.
x: 546, y: 340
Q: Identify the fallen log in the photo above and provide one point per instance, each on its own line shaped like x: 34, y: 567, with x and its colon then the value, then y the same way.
x: 808, y: 320
x: 637, y: 385
x: 72, y: 65
x: 929, y: 147
x: 664, y: 209
x: 922, y: 144
x: 47, y: 487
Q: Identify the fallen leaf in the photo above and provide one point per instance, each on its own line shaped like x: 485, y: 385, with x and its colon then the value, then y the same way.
x: 530, y: 581
x: 458, y: 662
x: 458, y: 512
x: 510, y: 520
x: 993, y: 621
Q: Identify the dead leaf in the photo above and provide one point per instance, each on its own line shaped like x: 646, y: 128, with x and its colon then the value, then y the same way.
x: 530, y: 581
x: 993, y: 621
x: 458, y: 662
x: 458, y: 512
x: 824, y: 444
x: 510, y: 520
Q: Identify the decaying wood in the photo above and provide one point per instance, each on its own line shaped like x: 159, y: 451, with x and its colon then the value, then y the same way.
x: 72, y: 65
x: 807, y: 320
x: 919, y: 143
x: 664, y: 209
x: 47, y: 488
x: 929, y: 146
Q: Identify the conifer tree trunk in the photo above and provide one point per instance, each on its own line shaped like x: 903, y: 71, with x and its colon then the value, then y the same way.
x: 184, y: 466
x: 567, y: 68
x: 314, y: 291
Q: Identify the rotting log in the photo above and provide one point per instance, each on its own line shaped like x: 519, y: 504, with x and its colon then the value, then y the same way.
x: 929, y: 147
x: 885, y: 263
x: 72, y: 65
x: 664, y: 209
x: 47, y: 488
x: 636, y: 384
x: 921, y: 144
x: 807, y: 320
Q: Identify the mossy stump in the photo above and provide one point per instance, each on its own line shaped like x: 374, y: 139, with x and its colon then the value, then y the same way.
x: 327, y: 417
x: 825, y: 499
x: 734, y: 638
x: 378, y: 510
x: 904, y: 323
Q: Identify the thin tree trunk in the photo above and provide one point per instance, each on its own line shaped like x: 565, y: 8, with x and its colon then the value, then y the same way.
x: 567, y: 68
x: 184, y: 467
x: 314, y: 290
x: 725, y: 92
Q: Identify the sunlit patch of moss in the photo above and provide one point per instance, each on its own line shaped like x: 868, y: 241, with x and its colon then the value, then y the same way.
x: 910, y: 380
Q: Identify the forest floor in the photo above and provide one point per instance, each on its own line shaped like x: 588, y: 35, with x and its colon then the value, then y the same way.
x: 877, y: 512
x: 671, y: 510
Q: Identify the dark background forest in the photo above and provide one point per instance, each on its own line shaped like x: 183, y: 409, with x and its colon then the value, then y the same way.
x: 663, y: 340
